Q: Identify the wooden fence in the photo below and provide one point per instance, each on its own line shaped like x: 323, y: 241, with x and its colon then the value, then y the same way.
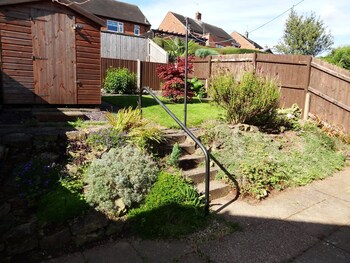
x: 125, y: 47
x: 316, y: 86
x: 147, y: 73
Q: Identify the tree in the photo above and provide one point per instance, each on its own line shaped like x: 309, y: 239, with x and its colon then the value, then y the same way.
x: 340, y: 57
x: 173, y: 75
x: 304, y: 35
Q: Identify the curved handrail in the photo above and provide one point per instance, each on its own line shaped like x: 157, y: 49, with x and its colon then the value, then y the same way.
x: 193, y: 137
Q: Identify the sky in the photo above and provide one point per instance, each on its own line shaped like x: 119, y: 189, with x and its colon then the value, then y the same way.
x: 242, y: 16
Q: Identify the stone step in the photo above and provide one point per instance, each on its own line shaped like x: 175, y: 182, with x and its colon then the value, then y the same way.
x: 186, y: 148
x: 188, y: 162
x: 217, y: 189
x: 172, y: 138
x: 197, y: 175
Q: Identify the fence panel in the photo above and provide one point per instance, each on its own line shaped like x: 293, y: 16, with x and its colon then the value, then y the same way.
x: 149, y: 76
x: 330, y: 93
x: 292, y: 73
x: 329, y: 85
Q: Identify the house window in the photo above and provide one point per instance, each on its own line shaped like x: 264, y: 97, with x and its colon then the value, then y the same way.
x: 115, y: 26
x: 136, y: 30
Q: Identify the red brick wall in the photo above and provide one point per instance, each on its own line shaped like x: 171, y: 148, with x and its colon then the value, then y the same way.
x: 128, y: 26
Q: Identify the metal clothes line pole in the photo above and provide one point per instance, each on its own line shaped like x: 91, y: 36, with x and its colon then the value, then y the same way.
x: 186, y: 66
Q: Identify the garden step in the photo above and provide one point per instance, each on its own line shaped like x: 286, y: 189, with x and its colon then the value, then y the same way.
x: 186, y: 148
x: 172, y: 138
x: 188, y: 162
x: 197, y: 175
x: 217, y: 189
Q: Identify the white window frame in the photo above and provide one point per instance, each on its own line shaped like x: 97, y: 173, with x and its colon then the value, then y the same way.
x: 118, y: 25
x: 137, y: 30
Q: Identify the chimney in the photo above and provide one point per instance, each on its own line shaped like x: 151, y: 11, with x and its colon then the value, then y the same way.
x: 198, y: 16
x: 246, y: 34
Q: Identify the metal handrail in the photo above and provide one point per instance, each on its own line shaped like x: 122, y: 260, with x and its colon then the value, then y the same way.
x: 193, y: 137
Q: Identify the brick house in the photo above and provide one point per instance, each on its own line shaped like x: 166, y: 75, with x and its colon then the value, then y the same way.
x: 245, y: 42
x: 215, y: 36
x: 119, y: 17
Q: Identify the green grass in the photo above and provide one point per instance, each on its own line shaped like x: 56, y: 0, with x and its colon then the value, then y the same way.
x: 197, y: 111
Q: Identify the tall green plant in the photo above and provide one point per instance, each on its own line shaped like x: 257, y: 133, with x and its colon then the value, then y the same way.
x: 253, y: 99
x: 120, y: 81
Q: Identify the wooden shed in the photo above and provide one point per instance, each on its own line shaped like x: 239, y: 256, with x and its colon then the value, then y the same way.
x: 50, y: 53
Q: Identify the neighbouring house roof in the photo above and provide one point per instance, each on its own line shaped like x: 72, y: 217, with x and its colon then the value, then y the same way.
x: 202, y: 28
x: 115, y: 10
x: 243, y: 40
x: 74, y: 7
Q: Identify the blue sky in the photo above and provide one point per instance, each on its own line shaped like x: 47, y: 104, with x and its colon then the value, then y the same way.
x: 247, y: 15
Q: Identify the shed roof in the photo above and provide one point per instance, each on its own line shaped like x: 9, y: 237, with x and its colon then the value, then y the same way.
x: 115, y: 10
x: 75, y: 7
x: 202, y: 28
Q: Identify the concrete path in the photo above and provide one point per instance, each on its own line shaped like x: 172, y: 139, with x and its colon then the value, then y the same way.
x: 305, y: 224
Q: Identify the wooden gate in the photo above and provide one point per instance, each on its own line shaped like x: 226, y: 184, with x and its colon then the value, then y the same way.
x: 54, y: 60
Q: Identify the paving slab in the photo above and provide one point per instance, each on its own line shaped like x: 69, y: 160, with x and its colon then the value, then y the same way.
x: 275, y: 241
x: 341, y: 238
x: 323, y: 252
x: 337, y: 185
x: 160, y: 251
x: 115, y: 252
x: 71, y: 258
x: 323, y: 218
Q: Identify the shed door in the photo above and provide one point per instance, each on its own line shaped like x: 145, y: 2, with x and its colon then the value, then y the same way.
x: 54, y: 57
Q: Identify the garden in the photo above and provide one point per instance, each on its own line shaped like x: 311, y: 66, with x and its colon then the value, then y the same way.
x: 117, y: 180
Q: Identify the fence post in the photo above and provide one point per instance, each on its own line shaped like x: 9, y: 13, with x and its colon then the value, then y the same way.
x: 139, y: 75
x: 254, y: 61
x: 306, y: 90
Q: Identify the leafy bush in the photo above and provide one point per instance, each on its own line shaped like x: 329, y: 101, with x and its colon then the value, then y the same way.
x: 120, y: 81
x: 171, y: 209
x: 253, y: 99
x: 204, y: 52
x: 340, y: 57
x: 133, y: 127
x: 173, y: 75
x: 122, y: 177
x: 35, y: 177
x: 197, y: 87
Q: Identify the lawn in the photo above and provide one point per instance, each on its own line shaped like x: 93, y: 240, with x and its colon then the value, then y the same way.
x: 198, y: 111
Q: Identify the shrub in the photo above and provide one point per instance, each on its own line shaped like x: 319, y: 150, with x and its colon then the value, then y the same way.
x: 122, y: 177
x: 252, y: 100
x: 340, y: 57
x: 130, y: 123
x: 173, y: 75
x: 204, y: 52
x: 120, y: 81
x: 197, y: 87
x: 172, y: 208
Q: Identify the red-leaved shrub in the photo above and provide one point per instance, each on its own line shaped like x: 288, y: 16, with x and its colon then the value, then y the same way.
x: 173, y: 75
